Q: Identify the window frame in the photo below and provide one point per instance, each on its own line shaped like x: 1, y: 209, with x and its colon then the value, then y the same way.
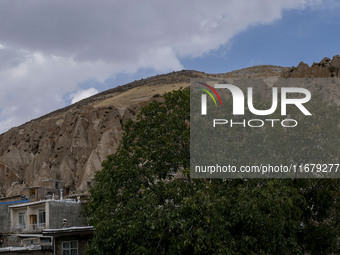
x: 22, y: 219
x: 69, y: 249
x: 42, y: 218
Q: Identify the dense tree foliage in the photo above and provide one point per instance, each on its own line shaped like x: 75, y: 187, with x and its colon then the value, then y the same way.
x: 144, y: 201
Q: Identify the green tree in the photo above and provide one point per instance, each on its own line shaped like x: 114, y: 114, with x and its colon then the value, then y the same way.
x: 144, y: 201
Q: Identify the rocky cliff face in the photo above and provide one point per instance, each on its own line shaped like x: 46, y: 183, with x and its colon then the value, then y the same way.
x: 326, y: 68
x: 65, y: 148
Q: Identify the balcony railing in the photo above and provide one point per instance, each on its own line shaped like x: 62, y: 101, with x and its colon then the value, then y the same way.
x: 28, y: 228
x: 18, y: 228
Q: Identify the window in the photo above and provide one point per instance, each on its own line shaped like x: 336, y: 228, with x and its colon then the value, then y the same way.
x: 42, y: 218
x: 22, y: 220
x: 32, y: 192
x: 70, y: 248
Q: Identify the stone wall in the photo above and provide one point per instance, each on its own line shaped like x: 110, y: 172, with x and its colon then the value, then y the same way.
x: 70, y: 211
x: 4, y: 219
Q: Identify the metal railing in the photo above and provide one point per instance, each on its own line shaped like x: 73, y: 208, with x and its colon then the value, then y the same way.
x: 28, y: 228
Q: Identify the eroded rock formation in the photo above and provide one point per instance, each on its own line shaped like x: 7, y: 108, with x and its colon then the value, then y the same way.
x: 65, y: 148
x: 326, y: 68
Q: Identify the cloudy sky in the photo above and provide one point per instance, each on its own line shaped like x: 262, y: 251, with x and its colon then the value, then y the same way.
x: 54, y: 53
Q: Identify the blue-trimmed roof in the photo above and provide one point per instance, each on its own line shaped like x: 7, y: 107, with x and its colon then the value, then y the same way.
x: 14, y: 202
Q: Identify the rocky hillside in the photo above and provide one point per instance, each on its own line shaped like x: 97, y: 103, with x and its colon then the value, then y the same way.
x: 326, y: 68
x: 65, y: 148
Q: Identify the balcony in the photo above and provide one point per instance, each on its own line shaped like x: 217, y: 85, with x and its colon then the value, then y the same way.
x: 28, y: 228
x: 18, y: 228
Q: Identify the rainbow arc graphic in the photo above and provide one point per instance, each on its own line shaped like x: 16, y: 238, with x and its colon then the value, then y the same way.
x: 209, y: 93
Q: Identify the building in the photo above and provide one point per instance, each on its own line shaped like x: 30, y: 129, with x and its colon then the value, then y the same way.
x: 4, y: 211
x: 40, y: 193
x: 27, y: 244
x: 41, y: 221
x: 33, y: 217
x: 31, y: 194
x: 74, y: 240
x: 70, y: 241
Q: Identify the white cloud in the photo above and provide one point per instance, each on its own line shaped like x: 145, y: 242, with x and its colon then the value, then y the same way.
x: 82, y: 94
x: 47, y: 47
x: 38, y: 85
x: 126, y: 30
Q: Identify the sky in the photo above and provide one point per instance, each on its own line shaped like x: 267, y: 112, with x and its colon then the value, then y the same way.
x: 55, y: 53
